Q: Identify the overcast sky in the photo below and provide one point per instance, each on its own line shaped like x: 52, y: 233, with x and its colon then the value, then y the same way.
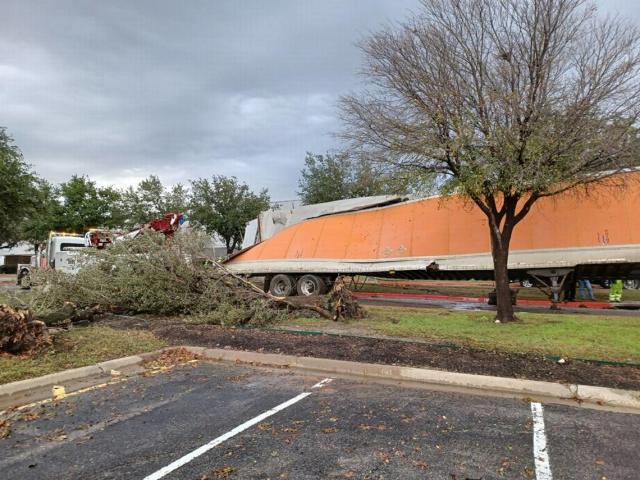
x: 122, y: 89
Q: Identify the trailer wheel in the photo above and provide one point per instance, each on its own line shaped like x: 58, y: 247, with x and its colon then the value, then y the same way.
x: 526, y: 283
x: 309, y: 285
x: 282, y: 286
x: 630, y: 284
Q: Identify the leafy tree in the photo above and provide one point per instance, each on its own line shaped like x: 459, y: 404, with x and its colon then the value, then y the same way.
x: 35, y: 229
x: 509, y: 101
x: 150, y: 199
x: 224, y: 206
x: 330, y: 177
x: 83, y: 205
x: 110, y: 207
x: 176, y: 199
x: 18, y: 191
x: 324, y: 178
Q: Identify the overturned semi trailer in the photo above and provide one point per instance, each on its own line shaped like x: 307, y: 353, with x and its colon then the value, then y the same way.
x: 595, y: 234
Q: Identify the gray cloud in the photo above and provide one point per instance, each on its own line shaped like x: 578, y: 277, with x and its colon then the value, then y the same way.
x: 122, y: 89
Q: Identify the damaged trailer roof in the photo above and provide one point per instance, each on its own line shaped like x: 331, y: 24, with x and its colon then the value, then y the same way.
x: 291, y: 212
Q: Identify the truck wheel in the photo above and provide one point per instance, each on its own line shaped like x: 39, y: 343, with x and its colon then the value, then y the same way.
x: 629, y: 284
x: 282, y: 286
x: 309, y: 285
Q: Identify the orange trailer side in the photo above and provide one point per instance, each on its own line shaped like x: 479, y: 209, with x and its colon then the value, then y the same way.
x: 451, y: 234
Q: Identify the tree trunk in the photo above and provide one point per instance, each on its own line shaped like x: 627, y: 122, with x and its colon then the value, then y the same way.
x: 500, y: 253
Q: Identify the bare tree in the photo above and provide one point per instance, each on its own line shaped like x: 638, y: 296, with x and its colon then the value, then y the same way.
x: 508, y: 100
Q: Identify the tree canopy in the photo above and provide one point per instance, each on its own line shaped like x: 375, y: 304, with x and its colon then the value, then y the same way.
x: 83, y: 205
x: 224, y: 206
x: 508, y: 101
x: 18, y: 191
x: 151, y: 199
x: 35, y: 229
x: 329, y: 177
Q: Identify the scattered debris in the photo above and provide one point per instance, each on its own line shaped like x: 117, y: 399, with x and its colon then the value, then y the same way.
x: 5, y: 428
x: 19, y: 333
x: 171, y: 358
x: 58, y: 392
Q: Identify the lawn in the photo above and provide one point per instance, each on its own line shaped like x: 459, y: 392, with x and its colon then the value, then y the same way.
x: 77, y: 348
x: 571, y: 336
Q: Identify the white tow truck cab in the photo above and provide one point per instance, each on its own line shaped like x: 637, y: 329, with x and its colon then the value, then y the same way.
x: 62, y: 252
x: 59, y: 253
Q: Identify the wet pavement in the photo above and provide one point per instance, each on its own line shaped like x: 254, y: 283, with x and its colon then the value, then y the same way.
x: 339, y: 429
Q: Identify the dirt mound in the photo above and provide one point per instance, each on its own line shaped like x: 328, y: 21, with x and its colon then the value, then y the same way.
x: 20, y: 333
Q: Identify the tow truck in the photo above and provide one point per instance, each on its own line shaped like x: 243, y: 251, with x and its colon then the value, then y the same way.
x: 61, y: 251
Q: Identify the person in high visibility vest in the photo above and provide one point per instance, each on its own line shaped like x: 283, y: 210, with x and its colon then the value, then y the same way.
x: 615, y: 291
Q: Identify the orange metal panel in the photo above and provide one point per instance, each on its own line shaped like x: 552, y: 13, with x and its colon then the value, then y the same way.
x: 431, y: 227
x: 395, y: 232
x: 365, y: 234
x: 305, y: 239
x: 335, y: 237
x: 275, y: 247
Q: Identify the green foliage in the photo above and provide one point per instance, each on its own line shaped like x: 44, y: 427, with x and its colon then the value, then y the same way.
x: 150, y: 199
x: 83, y: 205
x: 329, y: 177
x: 324, y: 178
x: 35, y: 229
x: 156, y: 275
x: 223, y: 206
x: 18, y: 191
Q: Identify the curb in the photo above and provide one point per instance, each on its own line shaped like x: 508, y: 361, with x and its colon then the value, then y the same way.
x: 39, y: 388
x: 35, y: 389
x: 584, y: 395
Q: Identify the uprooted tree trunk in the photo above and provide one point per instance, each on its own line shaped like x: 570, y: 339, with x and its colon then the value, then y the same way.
x: 341, y: 302
x: 20, y: 333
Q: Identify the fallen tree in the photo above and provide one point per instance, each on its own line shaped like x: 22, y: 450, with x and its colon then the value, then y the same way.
x: 155, y: 275
x: 20, y: 333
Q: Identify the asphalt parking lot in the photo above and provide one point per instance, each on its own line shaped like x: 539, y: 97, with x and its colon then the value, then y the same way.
x: 209, y: 421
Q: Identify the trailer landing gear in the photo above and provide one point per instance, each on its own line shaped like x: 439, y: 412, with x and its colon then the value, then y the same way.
x: 553, y: 283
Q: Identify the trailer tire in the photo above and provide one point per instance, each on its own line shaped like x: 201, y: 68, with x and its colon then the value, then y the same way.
x: 631, y: 284
x: 310, y: 285
x: 282, y: 286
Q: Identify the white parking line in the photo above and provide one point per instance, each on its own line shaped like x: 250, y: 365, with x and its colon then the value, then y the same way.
x: 232, y: 433
x: 540, y: 454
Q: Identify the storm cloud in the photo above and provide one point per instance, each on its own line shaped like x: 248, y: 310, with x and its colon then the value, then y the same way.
x: 123, y: 89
